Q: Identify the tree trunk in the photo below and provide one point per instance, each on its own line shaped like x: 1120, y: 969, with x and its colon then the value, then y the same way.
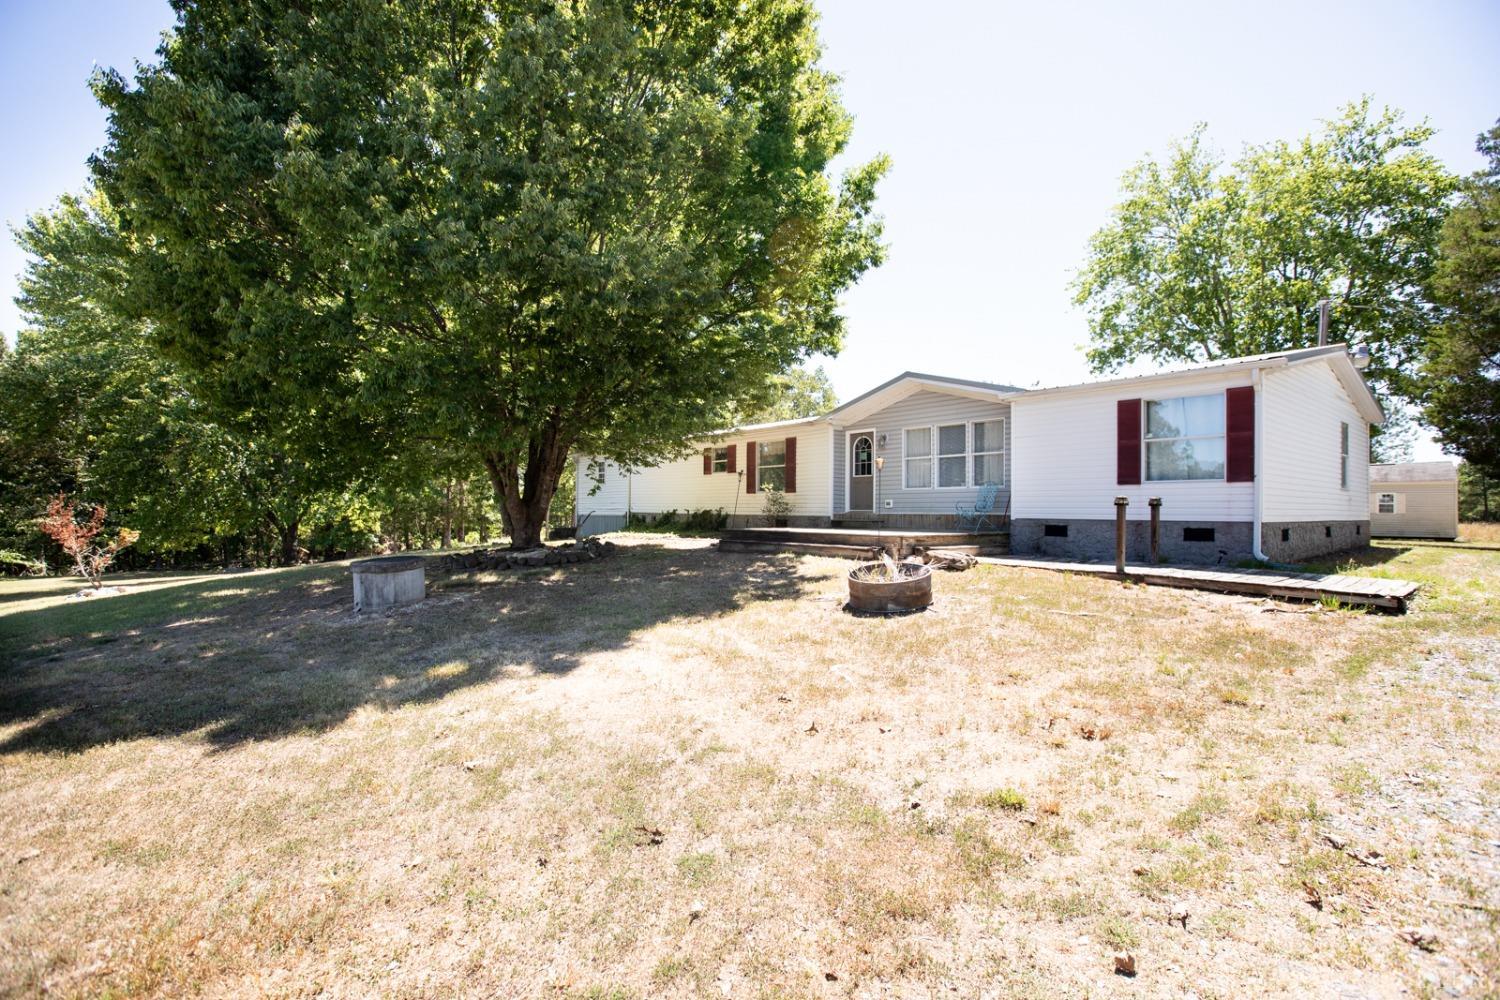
x: 525, y: 499
x: 448, y: 515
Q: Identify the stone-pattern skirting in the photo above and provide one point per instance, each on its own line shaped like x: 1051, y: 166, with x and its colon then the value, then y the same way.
x: 497, y: 559
x: 1311, y: 539
x: 1095, y: 539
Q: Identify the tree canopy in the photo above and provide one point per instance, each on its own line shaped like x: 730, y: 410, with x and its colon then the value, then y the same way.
x: 797, y: 392
x: 515, y: 229
x: 1204, y: 261
x: 1461, y: 382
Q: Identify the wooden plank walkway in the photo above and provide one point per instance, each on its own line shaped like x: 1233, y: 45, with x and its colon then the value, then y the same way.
x: 1363, y: 591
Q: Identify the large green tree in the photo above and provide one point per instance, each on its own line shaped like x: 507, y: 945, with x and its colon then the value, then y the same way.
x: 518, y: 228
x: 1461, y: 382
x: 90, y: 406
x: 1204, y: 261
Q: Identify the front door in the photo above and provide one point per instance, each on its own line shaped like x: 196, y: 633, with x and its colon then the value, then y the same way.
x: 862, y: 470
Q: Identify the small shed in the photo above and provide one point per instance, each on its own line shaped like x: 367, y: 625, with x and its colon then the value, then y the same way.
x: 1414, y: 500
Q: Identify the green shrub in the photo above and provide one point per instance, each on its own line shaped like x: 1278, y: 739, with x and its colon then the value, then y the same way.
x: 16, y: 564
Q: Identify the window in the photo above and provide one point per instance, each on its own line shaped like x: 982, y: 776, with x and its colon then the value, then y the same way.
x: 721, y: 460
x: 916, y: 458
x: 989, y: 452
x: 1344, y: 456
x: 1386, y: 503
x: 953, y: 456
x: 1185, y: 438
x: 864, y: 456
x: 770, y: 465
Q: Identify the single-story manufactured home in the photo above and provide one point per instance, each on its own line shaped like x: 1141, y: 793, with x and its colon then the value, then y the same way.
x: 1263, y: 457
x: 1414, y: 500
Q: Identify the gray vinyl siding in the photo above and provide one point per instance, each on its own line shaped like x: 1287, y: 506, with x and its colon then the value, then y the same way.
x: 921, y: 409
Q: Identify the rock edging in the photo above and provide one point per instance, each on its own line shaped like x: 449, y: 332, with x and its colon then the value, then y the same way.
x: 498, y: 559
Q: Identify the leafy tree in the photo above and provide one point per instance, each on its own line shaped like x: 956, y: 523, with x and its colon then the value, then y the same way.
x: 1461, y: 381
x: 1478, y: 494
x: 520, y: 228
x: 91, y: 407
x: 1202, y: 262
x: 797, y: 392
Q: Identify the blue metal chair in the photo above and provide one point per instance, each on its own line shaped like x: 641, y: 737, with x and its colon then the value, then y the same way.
x: 973, y: 517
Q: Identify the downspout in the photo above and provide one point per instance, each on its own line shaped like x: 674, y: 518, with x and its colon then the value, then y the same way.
x: 1260, y: 452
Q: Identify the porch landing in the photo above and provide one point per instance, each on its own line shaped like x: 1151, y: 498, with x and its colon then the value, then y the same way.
x: 1362, y: 591
x: 861, y: 543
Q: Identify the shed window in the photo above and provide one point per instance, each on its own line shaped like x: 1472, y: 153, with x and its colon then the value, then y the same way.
x: 770, y: 465
x: 953, y: 458
x: 916, y: 458
x: 1386, y: 503
x: 989, y: 452
x: 1344, y: 456
x: 721, y: 460
x: 1185, y: 438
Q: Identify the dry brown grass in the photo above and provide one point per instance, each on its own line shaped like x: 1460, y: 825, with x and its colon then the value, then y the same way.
x: 679, y: 773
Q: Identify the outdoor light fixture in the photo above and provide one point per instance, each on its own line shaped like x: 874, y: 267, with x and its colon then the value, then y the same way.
x: 1361, y: 356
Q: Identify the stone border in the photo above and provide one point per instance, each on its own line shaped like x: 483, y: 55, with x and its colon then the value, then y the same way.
x: 586, y: 550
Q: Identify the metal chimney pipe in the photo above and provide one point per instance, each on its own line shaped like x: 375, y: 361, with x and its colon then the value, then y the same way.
x: 1322, y: 322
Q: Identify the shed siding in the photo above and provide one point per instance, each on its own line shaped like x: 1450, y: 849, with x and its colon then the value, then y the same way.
x: 921, y: 409
x: 1066, y: 458
x: 681, y: 485
x: 612, y: 495
x: 1423, y: 510
x: 1302, y: 407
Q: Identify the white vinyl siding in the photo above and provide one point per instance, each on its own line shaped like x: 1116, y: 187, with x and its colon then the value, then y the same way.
x: 1304, y: 410
x: 1063, y: 458
x: 681, y: 485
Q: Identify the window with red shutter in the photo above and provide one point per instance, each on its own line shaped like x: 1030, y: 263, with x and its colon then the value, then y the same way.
x: 791, y: 465
x: 749, y: 466
x: 1128, y: 442
x: 733, y: 461
x: 708, y: 461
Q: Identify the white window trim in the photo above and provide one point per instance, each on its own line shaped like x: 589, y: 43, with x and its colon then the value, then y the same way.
x: 1146, y: 440
x: 937, y: 456
x: 1380, y: 502
x: 1004, y: 465
x: 931, y: 456
x: 714, y: 461
x: 852, y: 438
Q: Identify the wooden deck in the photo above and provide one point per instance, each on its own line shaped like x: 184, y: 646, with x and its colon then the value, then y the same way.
x: 860, y: 543
x: 1362, y: 591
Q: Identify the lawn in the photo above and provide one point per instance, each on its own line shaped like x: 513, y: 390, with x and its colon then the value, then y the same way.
x: 676, y: 773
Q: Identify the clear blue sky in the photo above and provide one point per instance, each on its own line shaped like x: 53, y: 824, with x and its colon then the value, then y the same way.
x: 1009, y: 125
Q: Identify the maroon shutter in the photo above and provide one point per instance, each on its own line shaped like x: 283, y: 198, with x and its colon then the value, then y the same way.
x: 791, y: 465
x: 1128, y: 442
x: 749, y: 466
x: 708, y: 461
x: 733, y: 466
x: 1239, y: 434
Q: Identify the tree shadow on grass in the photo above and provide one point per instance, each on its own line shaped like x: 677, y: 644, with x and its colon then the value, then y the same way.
x: 242, y: 660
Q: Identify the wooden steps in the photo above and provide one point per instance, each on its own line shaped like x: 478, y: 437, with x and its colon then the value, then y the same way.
x: 860, y: 543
